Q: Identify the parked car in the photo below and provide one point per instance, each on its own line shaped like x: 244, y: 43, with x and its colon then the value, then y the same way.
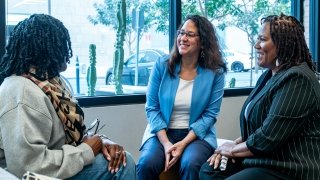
x: 236, y: 62
x: 147, y: 58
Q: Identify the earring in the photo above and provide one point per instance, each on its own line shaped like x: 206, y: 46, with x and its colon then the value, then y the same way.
x: 202, y: 54
x: 277, y: 63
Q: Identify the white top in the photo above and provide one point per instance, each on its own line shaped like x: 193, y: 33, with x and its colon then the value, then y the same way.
x: 181, y: 110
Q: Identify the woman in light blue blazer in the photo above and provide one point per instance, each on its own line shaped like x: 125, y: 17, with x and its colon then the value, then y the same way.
x: 183, y: 100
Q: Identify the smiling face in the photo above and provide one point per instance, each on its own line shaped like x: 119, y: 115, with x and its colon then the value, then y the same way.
x: 266, y: 49
x: 189, y: 46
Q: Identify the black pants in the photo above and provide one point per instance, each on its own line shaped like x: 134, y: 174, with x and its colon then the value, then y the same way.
x: 235, y: 171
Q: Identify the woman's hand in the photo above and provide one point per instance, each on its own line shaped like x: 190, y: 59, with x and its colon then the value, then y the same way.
x: 175, y: 151
x: 223, y: 150
x: 167, y: 154
x: 94, y: 142
x: 215, y: 160
x: 115, y: 154
x: 238, y: 140
x: 226, y: 148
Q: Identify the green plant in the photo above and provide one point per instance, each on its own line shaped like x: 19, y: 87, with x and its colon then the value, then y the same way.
x: 119, y: 52
x: 92, y: 72
x: 232, y: 83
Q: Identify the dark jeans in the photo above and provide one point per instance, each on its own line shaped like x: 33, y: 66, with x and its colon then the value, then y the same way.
x: 152, y: 159
x: 235, y: 171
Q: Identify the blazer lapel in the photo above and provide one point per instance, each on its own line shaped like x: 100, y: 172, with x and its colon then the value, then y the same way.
x: 173, y: 89
x: 265, y: 87
x: 200, y: 84
x: 254, y: 96
x: 255, y: 99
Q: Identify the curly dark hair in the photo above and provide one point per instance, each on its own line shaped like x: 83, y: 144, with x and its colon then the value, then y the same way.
x: 41, y: 42
x: 287, y: 33
x: 210, y: 46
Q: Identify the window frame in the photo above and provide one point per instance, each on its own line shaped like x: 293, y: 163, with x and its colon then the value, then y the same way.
x: 2, y: 27
x: 174, y: 21
x: 314, y: 31
x: 95, y: 101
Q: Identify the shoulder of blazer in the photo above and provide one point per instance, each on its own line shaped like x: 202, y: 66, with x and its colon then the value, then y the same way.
x: 301, y: 70
x: 162, y: 64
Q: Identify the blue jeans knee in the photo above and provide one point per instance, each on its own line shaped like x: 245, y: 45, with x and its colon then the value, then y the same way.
x: 99, y: 170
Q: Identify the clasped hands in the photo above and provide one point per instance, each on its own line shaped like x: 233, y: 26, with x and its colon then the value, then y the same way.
x: 224, y: 150
x: 114, y: 153
x: 173, y: 153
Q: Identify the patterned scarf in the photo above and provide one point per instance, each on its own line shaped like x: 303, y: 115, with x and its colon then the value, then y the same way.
x: 67, y: 109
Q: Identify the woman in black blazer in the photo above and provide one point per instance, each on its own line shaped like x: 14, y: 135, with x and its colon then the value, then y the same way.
x: 280, y: 120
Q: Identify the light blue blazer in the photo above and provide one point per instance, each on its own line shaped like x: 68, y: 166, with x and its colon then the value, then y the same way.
x: 207, y: 93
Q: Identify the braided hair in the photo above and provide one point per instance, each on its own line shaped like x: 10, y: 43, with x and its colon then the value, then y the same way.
x: 287, y: 33
x: 40, y: 42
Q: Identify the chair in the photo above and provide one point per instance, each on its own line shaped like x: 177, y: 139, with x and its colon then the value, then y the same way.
x: 172, y: 174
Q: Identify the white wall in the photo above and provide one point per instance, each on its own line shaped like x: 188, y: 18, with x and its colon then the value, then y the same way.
x: 228, y: 125
x: 125, y: 124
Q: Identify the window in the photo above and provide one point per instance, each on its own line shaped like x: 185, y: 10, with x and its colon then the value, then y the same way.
x: 85, y: 29
x: 94, y: 22
x: 237, y: 24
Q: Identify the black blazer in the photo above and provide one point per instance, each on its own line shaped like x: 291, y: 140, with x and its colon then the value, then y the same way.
x: 282, y: 128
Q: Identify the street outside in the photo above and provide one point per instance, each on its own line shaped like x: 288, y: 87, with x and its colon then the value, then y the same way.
x: 242, y: 79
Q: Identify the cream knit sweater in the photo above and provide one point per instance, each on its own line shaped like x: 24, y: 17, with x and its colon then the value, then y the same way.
x: 32, y: 136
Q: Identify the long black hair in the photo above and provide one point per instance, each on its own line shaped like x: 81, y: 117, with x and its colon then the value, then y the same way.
x: 212, y: 58
x: 287, y: 33
x: 40, y: 42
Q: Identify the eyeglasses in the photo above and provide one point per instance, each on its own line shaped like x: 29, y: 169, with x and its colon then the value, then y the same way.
x: 189, y: 34
x: 95, y: 124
